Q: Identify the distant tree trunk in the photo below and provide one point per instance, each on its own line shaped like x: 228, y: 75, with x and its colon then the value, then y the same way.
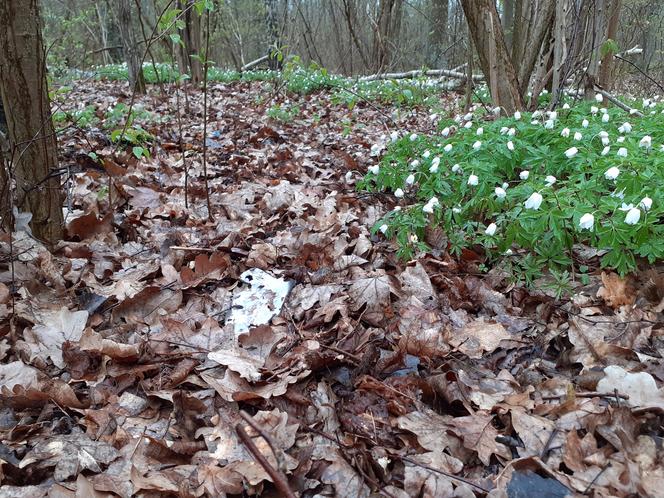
x: 191, y: 43
x: 537, y: 33
x: 439, y: 33
x: 508, y: 21
x: 594, y: 41
x: 521, y: 13
x: 113, y: 33
x: 559, y: 49
x: 606, y: 68
x: 487, y: 34
x: 103, y: 33
x: 386, y: 30
x: 131, y: 51
x: 274, y: 42
x: 28, y: 113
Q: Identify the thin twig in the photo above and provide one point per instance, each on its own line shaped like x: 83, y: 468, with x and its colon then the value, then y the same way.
x: 446, y: 474
x: 641, y: 71
x: 591, y: 394
x: 278, y: 478
x: 268, y: 439
x: 587, y: 490
x: 544, y: 455
x: 205, y: 115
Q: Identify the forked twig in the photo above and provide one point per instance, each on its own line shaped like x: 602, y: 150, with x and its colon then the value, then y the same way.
x: 278, y: 478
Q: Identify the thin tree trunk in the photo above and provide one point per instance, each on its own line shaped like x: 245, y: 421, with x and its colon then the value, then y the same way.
x: 487, y: 34
x: 439, y: 35
x: 508, y: 20
x: 25, y: 100
x: 559, y: 49
x: 191, y: 43
x: 274, y: 44
x: 606, y: 68
x: 103, y: 33
x: 386, y: 30
x: 539, y: 28
x: 594, y: 43
x: 519, y: 28
x: 131, y: 50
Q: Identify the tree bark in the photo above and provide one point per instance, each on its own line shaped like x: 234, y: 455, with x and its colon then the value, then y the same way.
x: 594, y: 42
x: 439, y: 35
x: 487, y: 34
x: 559, y: 50
x: 539, y: 28
x: 386, y: 30
x: 606, y: 68
x: 508, y: 20
x: 191, y: 40
x: 131, y: 51
x: 274, y: 42
x: 25, y: 100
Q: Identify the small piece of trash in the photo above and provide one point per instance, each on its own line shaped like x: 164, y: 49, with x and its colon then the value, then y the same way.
x: 258, y: 301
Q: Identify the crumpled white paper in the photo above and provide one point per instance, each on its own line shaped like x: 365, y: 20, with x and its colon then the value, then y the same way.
x: 257, y: 302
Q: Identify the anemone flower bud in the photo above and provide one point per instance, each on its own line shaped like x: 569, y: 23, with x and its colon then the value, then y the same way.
x: 587, y: 221
x: 611, y: 173
x: 534, y: 201
x: 633, y: 216
x: 646, y: 203
x: 646, y: 142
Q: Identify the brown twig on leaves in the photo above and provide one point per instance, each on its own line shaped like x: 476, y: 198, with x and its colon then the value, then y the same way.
x: 446, y: 474
x: 587, y: 490
x: 278, y: 478
x: 268, y: 439
x: 544, y: 455
x: 591, y: 394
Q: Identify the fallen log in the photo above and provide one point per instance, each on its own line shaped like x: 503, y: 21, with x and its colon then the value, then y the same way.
x: 255, y: 63
x: 444, y: 73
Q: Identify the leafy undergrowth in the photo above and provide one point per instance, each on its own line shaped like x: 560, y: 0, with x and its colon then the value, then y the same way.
x: 295, y: 78
x: 541, y: 182
x: 129, y: 358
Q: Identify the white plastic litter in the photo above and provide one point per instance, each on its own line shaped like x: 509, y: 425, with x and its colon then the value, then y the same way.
x: 257, y: 302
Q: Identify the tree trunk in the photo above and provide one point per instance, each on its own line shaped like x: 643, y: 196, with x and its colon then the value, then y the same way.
x: 131, y: 51
x: 559, y: 50
x: 484, y: 27
x: 274, y: 42
x: 539, y: 27
x: 386, y: 30
x: 191, y: 39
x: 103, y: 33
x: 606, y: 68
x: 520, y: 26
x: 439, y: 38
x: 508, y: 20
x: 594, y: 42
x: 32, y: 137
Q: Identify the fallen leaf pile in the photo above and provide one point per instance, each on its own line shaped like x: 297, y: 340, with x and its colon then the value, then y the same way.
x: 275, y: 344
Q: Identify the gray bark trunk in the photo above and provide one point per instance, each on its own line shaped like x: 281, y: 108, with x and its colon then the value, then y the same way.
x: 33, y: 154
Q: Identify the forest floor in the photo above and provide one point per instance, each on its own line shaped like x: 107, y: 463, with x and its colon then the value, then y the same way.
x: 136, y: 360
